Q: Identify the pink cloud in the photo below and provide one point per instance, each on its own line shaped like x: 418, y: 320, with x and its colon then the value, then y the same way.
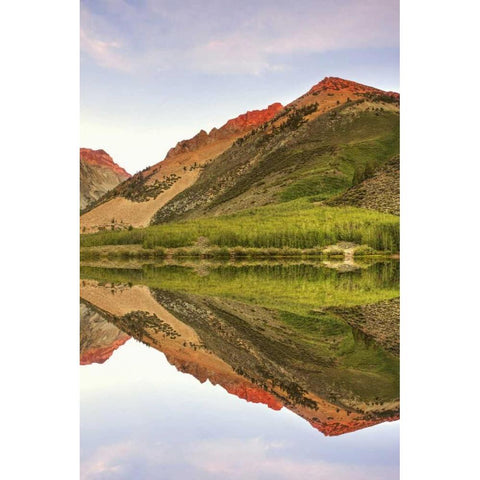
x: 205, y: 39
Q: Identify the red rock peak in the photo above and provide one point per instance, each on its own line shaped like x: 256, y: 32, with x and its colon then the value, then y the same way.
x: 103, y: 159
x: 253, y: 118
x: 235, y: 127
x: 332, y: 84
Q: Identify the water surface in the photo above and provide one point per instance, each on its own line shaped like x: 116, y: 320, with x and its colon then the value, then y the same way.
x: 239, y: 370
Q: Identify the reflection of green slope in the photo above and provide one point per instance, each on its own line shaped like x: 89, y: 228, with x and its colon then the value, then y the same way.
x: 298, y: 289
x: 290, y: 329
x: 378, y: 322
x: 317, y: 354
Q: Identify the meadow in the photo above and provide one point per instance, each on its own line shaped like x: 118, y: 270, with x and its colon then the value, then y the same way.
x: 299, y: 223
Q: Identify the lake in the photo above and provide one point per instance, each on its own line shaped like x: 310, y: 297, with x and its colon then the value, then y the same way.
x: 235, y: 370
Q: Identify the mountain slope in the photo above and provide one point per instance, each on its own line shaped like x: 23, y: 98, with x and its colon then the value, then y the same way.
x: 314, y: 157
x: 136, y: 201
x: 98, y: 174
x: 310, y: 148
x: 379, y: 192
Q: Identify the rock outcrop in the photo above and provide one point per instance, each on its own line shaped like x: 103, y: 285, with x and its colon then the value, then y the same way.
x: 98, y: 175
x: 335, y: 84
x: 234, y: 127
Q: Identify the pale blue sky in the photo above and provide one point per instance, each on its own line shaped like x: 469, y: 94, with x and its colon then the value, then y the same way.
x: 142, y: 419
x: 154, y: 72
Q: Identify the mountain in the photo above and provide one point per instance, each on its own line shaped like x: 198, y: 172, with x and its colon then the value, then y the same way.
x: 136, y: 201
x: 310, y: 148
x: 98, y: 174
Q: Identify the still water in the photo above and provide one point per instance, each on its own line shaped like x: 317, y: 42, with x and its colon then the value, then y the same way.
x: 239, y: 371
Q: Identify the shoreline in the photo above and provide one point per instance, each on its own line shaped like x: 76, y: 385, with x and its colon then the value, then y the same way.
x: 135, y: 251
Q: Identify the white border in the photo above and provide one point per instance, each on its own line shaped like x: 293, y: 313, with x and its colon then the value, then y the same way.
x: 439, y: 210
x: 39, y: 198
x: 440, y: 175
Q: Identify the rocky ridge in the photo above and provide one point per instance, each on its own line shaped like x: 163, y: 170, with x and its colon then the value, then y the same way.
x: 98, y: 175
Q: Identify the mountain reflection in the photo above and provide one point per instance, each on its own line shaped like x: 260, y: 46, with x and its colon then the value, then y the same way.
x: 322, y: 342
x: 98, y: 337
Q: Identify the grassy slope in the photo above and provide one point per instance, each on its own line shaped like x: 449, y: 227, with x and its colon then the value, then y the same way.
x: 316, y: 159
x: 381, y: 192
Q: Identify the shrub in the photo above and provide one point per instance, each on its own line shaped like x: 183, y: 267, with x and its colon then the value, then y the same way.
x: 363, y: 250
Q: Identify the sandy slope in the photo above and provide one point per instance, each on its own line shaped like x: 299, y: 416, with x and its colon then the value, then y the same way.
x: 137, y: 214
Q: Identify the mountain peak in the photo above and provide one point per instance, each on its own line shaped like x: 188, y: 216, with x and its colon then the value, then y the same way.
x: 139, y: 203
x: 336, y: 84
x: 233, y: 128
x: 253, y: 118
x: 101, y: 158
x: 98, y: 175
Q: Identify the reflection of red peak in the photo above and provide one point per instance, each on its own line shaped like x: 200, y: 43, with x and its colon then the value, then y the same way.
x: 327, y: 419
x: 232, y: 382
x: 102, y: 159
x: 101, y: 354
x: 333, y: 84
x: 253, y: 394
x: 234, y: 127
x: 333, y: 428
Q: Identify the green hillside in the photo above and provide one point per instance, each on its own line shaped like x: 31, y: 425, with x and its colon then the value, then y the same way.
x: 380, y: 191
x: 315, y: 159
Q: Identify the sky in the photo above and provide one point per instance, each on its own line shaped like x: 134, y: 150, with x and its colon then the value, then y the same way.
x: 191, y: 430
x: 154, y: 72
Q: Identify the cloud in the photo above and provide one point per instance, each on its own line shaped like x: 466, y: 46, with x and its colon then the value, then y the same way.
x: 226, y: 37
x: 104, y: 53
x: 267, y: 459
x: 235, y: 459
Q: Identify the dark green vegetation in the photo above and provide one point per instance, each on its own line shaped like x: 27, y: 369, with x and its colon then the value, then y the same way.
x: 315, y: 159
x: 317, y: 353
x: 288, y: 329
x: 137, y: 252
x: 296, y: 224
